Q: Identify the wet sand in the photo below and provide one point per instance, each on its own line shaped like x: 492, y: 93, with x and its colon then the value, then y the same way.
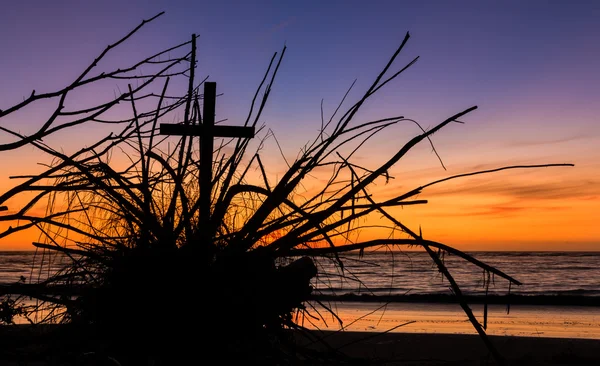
x: 439, y: 334
x: 580, y: 322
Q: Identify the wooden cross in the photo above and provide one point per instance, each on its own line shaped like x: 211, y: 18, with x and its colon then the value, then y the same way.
x: 207, y: 131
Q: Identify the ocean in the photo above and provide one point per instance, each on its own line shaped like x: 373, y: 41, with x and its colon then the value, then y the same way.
x: 400, y: 273
x: 559, y: 296
x: 367, y: 293
x: 28, y: 266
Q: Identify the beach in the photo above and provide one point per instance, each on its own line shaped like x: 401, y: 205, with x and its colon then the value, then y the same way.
x: 549, y: 322
x: 412, y: 333
x: 460, y: 349
x: 374, y: 348
x: 436, y: 333
x: 523, y: 320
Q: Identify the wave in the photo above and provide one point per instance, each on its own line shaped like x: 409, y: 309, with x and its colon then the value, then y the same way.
x: 558, y: 299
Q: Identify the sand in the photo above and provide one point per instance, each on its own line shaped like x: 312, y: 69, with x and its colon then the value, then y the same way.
x: 421, y: 349
x: 459, y: 349
x: 522, y: 321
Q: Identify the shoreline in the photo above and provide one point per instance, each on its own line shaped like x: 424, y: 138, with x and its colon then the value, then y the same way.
x: 512, y: 299
x: 545, y: 321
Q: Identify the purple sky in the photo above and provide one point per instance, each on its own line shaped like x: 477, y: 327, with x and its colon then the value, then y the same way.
x: 502, y: 56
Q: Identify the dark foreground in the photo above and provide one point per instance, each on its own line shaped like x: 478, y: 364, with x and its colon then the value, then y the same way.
x: 457, y: 349
x: 359, y: 348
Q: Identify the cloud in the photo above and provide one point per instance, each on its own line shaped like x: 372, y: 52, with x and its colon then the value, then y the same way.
x: 506, y: 210
x: 283, y: 24
x: 527, y: 143
x: 278, y: 27
x: 586, y: 189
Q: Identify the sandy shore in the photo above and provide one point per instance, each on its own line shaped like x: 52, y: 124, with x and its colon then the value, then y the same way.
x: 372, y: 348
x: 459, y: 349
x: 437, y: 318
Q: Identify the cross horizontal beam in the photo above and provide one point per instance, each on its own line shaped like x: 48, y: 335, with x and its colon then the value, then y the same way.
x: 198, y: 130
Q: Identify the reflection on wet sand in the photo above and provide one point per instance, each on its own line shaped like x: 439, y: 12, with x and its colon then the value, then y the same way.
x: 523, y: 320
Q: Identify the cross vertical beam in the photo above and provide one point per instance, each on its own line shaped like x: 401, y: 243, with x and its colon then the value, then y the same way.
x: 206, y: 157
x: 207, y: 131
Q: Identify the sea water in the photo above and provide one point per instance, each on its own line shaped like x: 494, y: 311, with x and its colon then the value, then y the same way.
x: 378, y: 273
x: 400, y: 273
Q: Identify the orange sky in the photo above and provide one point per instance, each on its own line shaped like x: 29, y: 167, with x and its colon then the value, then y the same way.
x: 534, y: 209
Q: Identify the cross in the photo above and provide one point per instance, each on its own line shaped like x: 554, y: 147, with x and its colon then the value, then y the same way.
x: 207, y: 131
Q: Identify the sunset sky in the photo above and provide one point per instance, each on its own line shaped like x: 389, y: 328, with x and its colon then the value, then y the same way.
x: 531, y: 67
